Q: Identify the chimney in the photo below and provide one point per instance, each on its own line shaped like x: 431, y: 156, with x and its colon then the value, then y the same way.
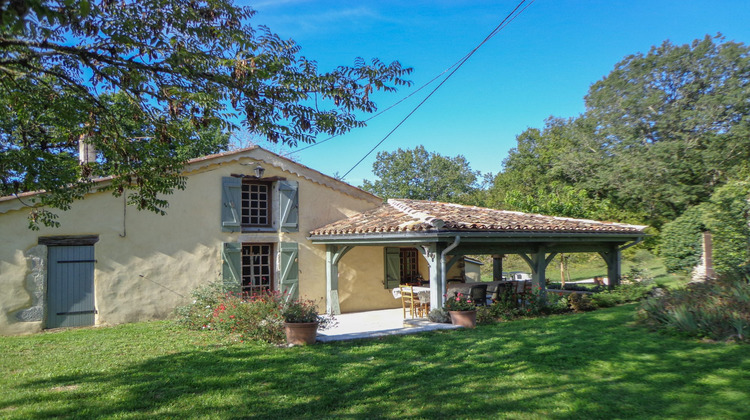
x: 86, y: 151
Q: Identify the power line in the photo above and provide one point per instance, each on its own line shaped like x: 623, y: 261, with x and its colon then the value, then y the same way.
x: 378, y: 113
x: 505, y: 22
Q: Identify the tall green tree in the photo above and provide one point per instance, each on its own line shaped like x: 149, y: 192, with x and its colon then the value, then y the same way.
x: 660, y: 133
x: 676, y: 123
x: 175, y: 62
x: 421, y: 175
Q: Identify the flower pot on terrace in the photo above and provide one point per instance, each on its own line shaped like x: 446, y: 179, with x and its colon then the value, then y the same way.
x: 466, y: 319
x: 301, y: 333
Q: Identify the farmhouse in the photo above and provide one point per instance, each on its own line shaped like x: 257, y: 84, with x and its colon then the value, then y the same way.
x: 259, y: 220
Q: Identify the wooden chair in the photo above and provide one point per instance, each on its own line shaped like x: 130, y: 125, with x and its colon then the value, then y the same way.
x: 479, y: 294
x: 410, y: 299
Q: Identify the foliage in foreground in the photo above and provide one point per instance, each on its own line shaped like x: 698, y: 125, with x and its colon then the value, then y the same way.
x: 178, y: 66
x: 716, y: 309
x: 258, y: 317
x: 261, y: 317
x: 510, y: 306
x: 727, y: 216
x: 590, y: 365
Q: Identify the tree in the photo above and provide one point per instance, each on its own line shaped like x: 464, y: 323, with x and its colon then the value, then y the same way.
x: 181, y: 66
x: 660, y: 133
x: 675, y: 123
x: 420, y: 175
x: 727, y: 216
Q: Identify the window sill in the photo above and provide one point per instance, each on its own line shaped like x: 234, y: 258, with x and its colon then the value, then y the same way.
x: 258, y: 230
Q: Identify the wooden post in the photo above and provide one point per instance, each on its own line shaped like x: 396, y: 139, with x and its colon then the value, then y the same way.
x: 562, y: 270
x: 497, y: 267
x: 538, y: 264
x: 432, y: 253
x: 612, y: 258
x: 333, y: 256
x: 708, y: 257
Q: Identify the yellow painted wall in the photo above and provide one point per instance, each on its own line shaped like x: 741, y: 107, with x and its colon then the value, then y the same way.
x: 147, y: 264
x: 361, y: 281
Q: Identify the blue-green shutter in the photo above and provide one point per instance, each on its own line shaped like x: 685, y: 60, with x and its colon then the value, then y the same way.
x: 231, y: 269
x: 289, y: 276
x: 392, y: 267
x: 289, y: 206
x: 231, y: 204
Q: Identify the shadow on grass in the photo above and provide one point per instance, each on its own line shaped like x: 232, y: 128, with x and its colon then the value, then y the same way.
x: 583, y: 366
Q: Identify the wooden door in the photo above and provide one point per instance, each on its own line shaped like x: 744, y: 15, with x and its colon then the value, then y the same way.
x: 70, y: 286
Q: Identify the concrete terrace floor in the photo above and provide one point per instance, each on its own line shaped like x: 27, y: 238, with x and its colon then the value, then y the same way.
x: 373, y: 324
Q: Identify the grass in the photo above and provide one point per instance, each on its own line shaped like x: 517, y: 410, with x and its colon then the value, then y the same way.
x: 593, y: 365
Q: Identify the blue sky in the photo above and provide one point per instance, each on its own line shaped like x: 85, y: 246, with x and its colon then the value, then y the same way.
x: 540, y: 65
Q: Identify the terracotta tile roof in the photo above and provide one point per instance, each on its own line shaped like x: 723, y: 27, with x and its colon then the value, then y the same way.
x: 433, y: 216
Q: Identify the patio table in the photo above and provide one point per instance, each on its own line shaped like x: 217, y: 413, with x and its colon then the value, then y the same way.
x: 423, y: 293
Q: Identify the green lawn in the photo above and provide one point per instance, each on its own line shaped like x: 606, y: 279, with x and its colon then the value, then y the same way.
x: 594, y: 365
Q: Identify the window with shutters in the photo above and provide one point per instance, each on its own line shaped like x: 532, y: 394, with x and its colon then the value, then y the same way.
x: 401, y: 267
x: 257, y: 268
x: 250, y: 204
x: 409, y: 260
x: 256, y: 204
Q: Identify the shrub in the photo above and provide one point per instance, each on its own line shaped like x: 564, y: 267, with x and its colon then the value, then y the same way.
x: 439, y: 315
x: 718, y: 309
x: 680, y: 243
x: 484, y: 315
x: 575, y: 287
x: 581, y: 302
x: 557, y: 303
x: 605, y: 299
x: 502, y: 310
x: 197, y: 315
x: 623, y: 293
x: 256, y: 318
x: 533, y: 303
x: 506, y: 302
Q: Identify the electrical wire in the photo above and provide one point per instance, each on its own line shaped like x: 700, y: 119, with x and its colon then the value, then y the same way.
x: 378, y: 113
x: 505, y: 22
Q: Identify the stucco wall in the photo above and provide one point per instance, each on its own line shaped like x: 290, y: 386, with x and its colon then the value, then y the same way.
x: 147, y: 264
x: 472, y: 272
x: 361, y: 281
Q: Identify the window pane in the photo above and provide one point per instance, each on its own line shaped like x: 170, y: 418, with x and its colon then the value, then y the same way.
x: 257, y: 268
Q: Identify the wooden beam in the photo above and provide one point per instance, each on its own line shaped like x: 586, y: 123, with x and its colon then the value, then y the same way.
x: 334, y: 254
x: 454, y: 259
x: 68, y: 240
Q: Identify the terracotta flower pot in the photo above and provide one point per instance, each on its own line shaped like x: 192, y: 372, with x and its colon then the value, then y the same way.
x: 302, y: 333
x: 466, y: 319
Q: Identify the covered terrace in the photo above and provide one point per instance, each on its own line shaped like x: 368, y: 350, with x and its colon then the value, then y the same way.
x: 442, y: 232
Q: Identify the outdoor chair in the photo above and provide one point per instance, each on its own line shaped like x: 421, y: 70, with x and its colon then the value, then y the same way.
x: 478, y: 294
x: 410, y: 299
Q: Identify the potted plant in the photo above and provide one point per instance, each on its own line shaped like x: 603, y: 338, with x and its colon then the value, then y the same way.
x: 462, y: 310
x: 301, y: 321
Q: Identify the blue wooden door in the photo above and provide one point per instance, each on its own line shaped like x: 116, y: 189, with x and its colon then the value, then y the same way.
x: 70, y: 286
